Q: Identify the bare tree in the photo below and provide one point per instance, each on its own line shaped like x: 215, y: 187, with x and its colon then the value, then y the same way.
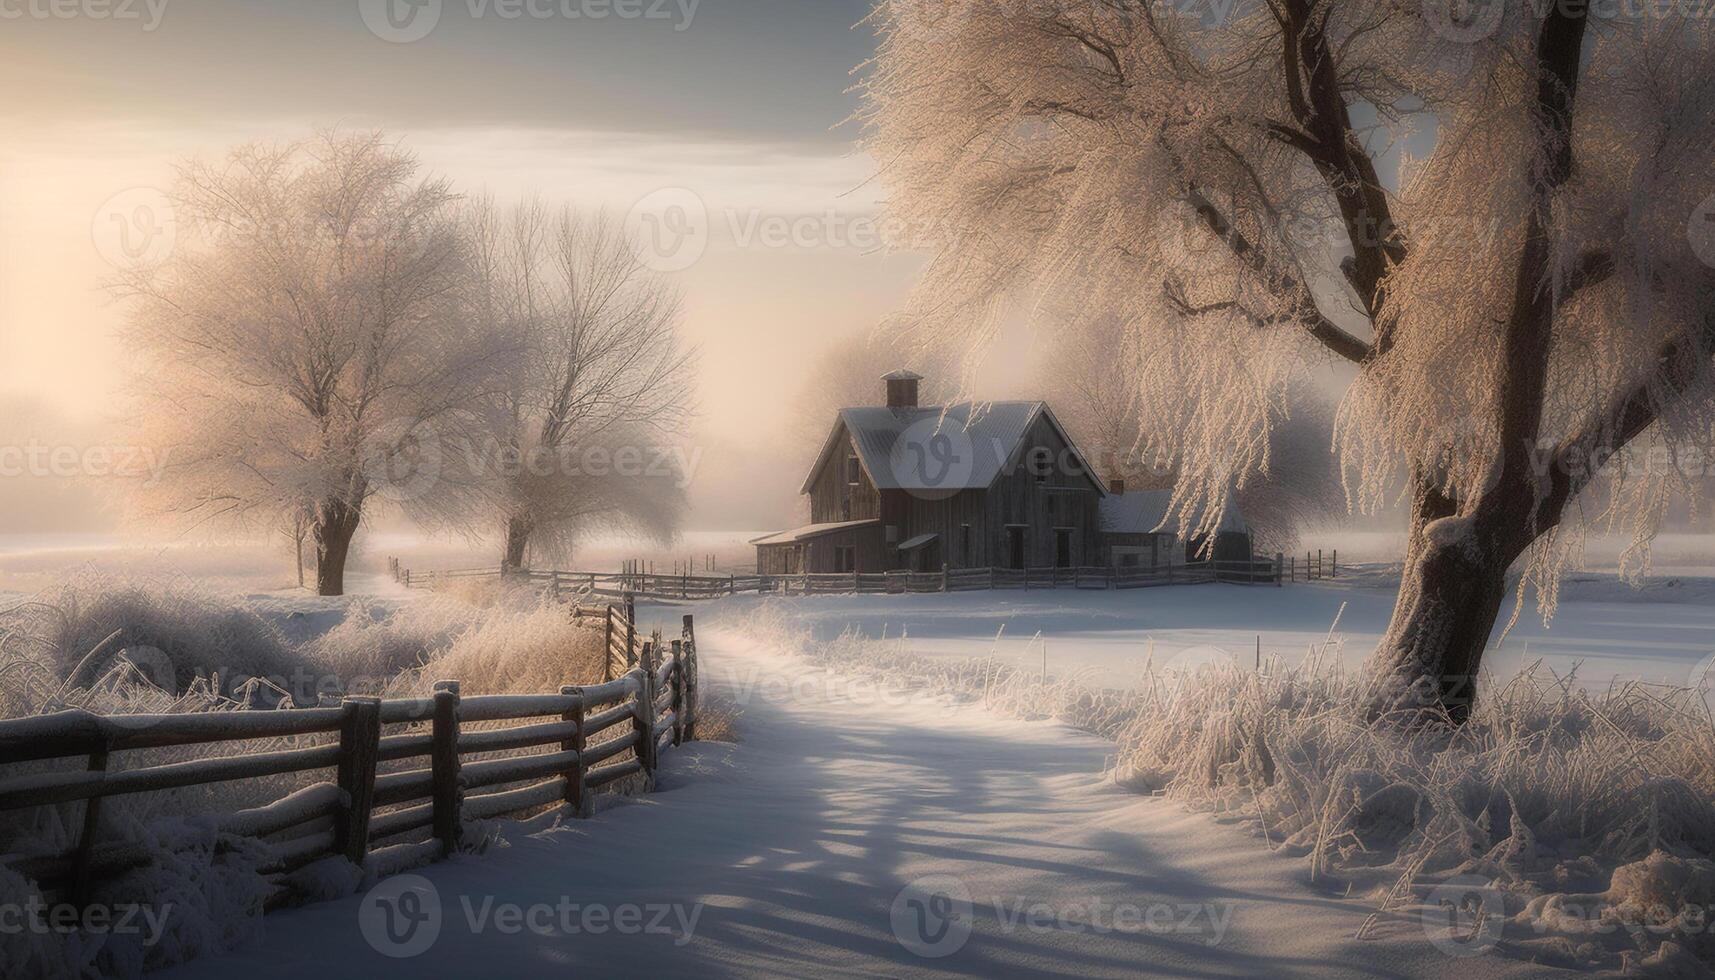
x: 1527, y: 300
x: 603, y: 385
x: 303, y: 349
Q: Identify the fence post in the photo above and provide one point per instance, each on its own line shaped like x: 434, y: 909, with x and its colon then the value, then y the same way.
x: 80, y: 870
x: 444, y: 758
x: 689, y: 669
x: 575, y: 797
x: 643, y: 721
x: 407, y: 578
x: 943, y: 576
x: 1334, y: 567
x: 678, y: 682
x: 359, y: 745
x: 630, y: 630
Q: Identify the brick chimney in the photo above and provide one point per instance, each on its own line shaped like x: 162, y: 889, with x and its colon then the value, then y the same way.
x: 1116, y: 485
x: 902, y: 389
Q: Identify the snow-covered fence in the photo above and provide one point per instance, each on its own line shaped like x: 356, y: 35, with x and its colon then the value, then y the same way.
x: 633, y: 585
x: 1316, y: 566
x: 407, y: 773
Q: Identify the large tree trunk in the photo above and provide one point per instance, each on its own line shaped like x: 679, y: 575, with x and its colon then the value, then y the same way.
x: 1450, y: 595
x: 335, y: 524
x: 517, y: 539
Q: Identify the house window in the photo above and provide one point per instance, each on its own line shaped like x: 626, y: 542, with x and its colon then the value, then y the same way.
x: 1041, y: 463
x: 854, y: 472
x: 845, y: 558
x: 964, y: 544
x: 1062, y: 547
x: 1015, y: 546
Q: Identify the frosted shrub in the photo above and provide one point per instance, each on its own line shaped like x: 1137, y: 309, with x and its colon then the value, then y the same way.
x: 175, y: 631
x: 375, y: 643
x: 533, y: 651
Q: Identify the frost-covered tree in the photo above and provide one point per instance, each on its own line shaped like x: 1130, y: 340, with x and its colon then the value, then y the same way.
x: 304, y: 348
x: 1532, y: 294
x: 602, y: 386
x: 1088, y: 375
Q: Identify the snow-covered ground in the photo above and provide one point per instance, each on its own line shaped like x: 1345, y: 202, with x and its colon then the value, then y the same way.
x: 850, y: 838
x: 1664, y: 633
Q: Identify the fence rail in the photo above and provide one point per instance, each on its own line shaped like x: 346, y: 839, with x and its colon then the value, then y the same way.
x: 459, y: 758
x: 625, y: 586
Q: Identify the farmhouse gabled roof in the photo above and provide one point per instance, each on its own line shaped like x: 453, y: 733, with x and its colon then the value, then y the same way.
x: 1146, y: 512
x: 964, y: 446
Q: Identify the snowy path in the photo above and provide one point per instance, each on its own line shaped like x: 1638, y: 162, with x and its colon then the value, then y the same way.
x: 792, y: 849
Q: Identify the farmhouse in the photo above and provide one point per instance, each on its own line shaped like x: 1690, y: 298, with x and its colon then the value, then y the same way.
x: 969, y: 485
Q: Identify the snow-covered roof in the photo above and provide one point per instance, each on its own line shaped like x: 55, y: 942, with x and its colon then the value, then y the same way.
x: 1144, y: 511
x: 954, y: 447
x: 810, y: 531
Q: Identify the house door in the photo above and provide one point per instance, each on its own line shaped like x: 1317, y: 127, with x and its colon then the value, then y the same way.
x: 929, y: 557
x: 1062, y: 547
x: 1015, y: 547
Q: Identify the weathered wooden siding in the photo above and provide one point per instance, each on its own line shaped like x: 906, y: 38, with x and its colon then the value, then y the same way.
x: 1066, y: 498
x: 820, y: 554
x: 832, y: 498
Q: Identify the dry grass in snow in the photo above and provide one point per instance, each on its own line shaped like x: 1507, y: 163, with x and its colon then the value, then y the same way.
x: 168, y: 646
x: 1589, y: 818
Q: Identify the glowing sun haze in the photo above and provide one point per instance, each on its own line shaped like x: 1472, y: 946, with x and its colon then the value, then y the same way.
x: 738, y: 101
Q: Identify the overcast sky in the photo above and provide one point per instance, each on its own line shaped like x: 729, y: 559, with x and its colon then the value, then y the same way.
x: 738, y: 101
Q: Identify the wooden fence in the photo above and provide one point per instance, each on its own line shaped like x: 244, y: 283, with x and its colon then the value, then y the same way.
x: 558, y: 748
x: 626, y: 585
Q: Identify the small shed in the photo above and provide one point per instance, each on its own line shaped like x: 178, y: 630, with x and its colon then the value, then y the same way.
x: 1139, y: 530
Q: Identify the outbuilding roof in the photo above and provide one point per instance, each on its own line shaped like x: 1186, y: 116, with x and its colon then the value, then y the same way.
x: 1147, y: 512
x: 809, y: 531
